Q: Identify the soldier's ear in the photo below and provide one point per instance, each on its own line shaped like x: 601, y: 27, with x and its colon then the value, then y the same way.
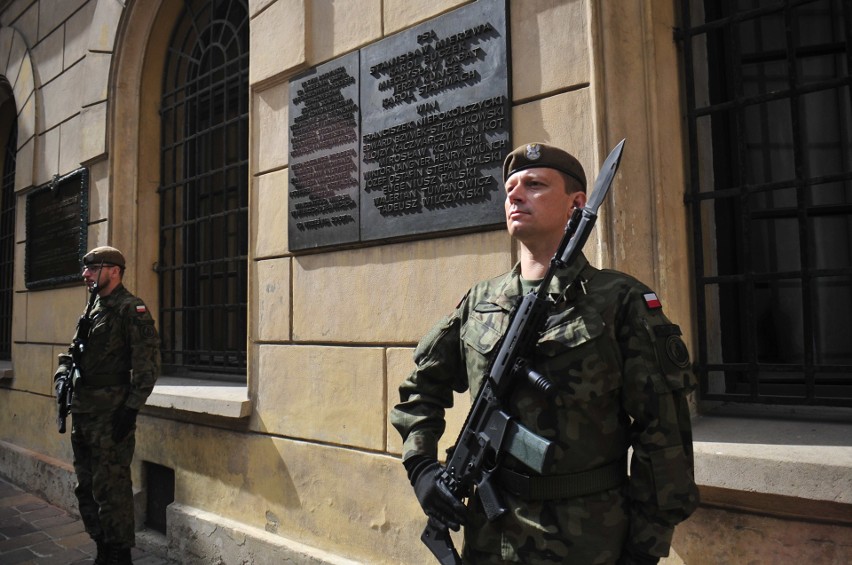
x: 578, y: 199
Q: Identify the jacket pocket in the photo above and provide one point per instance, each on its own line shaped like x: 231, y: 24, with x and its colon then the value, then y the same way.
x: 672, y: 479
x: 484, y: 327
x: 98, y: 339
x: 579, y: 358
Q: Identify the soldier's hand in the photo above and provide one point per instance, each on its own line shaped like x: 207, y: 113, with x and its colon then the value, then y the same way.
x: 123, y: 422
x: 58, y: 379
x: 435, y: 498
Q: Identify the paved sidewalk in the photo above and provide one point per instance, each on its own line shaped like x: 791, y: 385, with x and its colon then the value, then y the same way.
x: 35, y: 532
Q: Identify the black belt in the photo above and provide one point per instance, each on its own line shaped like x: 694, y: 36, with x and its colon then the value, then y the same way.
x: 572, y: 485
x: 97, y: 380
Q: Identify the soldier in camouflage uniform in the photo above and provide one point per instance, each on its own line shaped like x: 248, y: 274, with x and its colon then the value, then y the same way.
x: 119, y: 367
x: 622, y: 372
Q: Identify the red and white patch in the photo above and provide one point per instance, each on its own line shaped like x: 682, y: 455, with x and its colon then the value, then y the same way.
x: 141, y: 309
x: 651, y: 301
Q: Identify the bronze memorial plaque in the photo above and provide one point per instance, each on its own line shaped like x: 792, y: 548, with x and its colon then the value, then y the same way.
x: 406, y: 136
x: 57, y: 218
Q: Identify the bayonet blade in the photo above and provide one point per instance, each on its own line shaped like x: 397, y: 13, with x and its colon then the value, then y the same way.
x: 605, y: 177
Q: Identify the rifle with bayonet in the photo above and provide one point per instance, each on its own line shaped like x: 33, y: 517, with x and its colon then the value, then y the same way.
x: 64, y: 384
x: 490, y: 431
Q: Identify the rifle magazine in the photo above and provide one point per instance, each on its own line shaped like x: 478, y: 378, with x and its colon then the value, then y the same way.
x: 530, y: 449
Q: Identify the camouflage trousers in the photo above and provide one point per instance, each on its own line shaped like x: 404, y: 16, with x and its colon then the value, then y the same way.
x: 104, y: 490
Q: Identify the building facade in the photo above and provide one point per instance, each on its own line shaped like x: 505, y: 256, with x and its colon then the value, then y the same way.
x: 267, y: 436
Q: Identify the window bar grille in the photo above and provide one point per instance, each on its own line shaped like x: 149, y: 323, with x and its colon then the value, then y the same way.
x: 802, y: 173
x: 740, y: 188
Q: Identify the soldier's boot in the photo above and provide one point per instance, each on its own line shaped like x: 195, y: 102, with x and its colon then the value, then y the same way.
x: 124, y: 557
x: 103, y: 552
x: 119, y: 555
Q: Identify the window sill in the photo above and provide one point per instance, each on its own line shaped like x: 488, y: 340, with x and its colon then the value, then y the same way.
x: 226, y: 400
x: 782, y: 467
x: 6, y: 372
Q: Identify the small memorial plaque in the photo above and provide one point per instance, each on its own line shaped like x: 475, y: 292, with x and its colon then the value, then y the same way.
x: 324, y: 140
x: 435, y: 121
x: 57, y: 218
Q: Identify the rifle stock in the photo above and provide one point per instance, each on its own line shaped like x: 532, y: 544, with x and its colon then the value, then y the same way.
x: 490, y: 431
x: 437, y: 538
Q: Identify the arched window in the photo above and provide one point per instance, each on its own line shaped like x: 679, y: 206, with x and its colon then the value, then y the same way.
x: 8, y: 134
x: 7, y: 239
x: 204, y: 191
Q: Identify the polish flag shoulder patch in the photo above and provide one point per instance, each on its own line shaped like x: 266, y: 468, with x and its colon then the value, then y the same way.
x: 651, y: 301
x: 140, y: 309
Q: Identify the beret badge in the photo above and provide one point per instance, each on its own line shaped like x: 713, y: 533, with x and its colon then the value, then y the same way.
x: 533, y: 151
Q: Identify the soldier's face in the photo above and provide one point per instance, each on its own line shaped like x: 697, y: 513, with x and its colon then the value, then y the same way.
x: 537, y: 204
x: 103, y: 275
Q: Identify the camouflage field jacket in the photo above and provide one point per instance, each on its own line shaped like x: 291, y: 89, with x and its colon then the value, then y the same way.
x: 622, y: 372
x: 121, y: 361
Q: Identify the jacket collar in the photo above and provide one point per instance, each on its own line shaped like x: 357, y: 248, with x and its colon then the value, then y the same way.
x: 112, y: 296
x: 510, y: 287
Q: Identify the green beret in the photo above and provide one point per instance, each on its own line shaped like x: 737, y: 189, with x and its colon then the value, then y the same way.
x: 543, y: 155
x: 103, y: 255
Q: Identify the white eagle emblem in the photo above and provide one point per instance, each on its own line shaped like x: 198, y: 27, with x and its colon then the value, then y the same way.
x: 533, y: 151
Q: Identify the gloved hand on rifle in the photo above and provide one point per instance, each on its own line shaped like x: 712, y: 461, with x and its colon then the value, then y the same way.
x: 434, y: 496
x: 123, y: 422
x: 58, y: 378
x: 634, y: 556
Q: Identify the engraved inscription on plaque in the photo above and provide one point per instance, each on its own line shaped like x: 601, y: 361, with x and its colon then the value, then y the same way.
x: 435, y: 124
x: 324, y: 140
x: 57, y: 216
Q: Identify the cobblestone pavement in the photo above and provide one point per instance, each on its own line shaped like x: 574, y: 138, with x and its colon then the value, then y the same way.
x: 33, y: 531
